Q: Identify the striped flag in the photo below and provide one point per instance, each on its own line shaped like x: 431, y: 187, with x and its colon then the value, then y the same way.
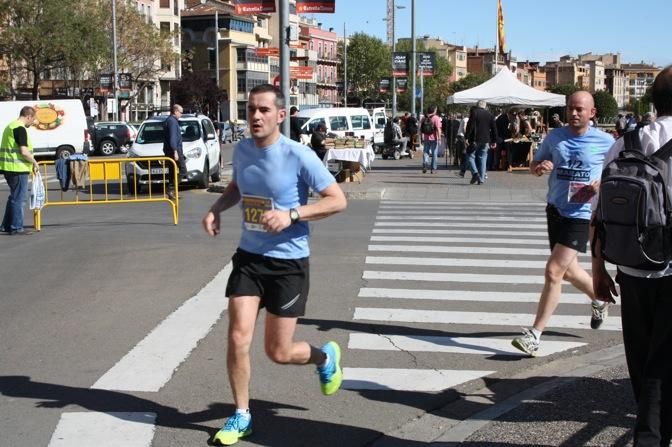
x: 501, y: 39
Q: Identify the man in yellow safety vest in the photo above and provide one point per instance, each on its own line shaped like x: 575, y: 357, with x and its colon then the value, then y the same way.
x: 16, y: 162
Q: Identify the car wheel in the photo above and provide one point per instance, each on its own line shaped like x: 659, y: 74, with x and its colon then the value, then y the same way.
x: 217, y: 176
x: 64, y: 152
x: 124, y: 149
x: 397, y: 154
x: 203, y: 182
x: 107, y: 147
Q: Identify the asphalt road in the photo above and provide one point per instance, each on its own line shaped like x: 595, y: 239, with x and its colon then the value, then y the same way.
x: 90, y: 287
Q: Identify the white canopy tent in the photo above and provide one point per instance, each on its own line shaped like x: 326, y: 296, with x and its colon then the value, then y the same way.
x: 505, y: 89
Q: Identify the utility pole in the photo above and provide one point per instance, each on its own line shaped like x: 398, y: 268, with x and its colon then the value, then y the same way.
x: 219, y: 115
x: 284, y: 59
x: 114, y: 56
x: 413, y: 62
x: 345, y: 67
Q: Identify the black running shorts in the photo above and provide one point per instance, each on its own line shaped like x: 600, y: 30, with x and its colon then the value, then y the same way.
x: 282, y: 284
x: 567, y: 231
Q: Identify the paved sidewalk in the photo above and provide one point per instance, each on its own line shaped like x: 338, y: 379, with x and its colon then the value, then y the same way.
x: 403, y: 180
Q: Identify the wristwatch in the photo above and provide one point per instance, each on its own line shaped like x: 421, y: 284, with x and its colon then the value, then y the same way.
x: 294, y: 215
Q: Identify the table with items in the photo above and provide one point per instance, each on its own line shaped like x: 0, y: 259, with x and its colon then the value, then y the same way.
x: 348, y: 158
x: 521, y: 152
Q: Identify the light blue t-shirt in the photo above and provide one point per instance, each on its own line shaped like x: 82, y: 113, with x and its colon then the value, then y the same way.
x: 577, y: 161
x: 281, y: 172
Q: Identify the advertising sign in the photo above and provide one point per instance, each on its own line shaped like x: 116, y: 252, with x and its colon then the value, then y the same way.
x: 402, y: 85
x: 301, y: 72
x: 426, y: 64
x: 251, y: 7
x: 384, y: 85
x: 106, y: 81
x: 399, y: 64
x: 124, y: 81
x: 315, y: 6
x: 261, y: 52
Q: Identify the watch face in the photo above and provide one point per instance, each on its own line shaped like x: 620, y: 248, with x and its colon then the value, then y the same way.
x: 294, y: 215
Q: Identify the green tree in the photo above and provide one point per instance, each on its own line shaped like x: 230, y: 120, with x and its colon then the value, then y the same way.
x: 368, y: 62
x: 40, y: 36
x: 565, y: 89
x: 469, y: 81
x: 197, y: 91
x: 606, y: 105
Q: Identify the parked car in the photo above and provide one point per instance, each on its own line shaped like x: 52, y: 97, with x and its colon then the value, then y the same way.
x: 109, y: 137
x: 199, y: 145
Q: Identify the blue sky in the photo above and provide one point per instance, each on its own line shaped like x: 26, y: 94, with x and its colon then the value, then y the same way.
x: 538, y: 30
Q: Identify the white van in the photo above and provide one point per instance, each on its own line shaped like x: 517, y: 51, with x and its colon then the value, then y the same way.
x: 339, y: 120
x: 59, y: 129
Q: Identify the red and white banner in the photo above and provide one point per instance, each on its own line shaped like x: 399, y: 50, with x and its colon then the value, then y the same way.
x: 252, y: 7
x: 315, y: 6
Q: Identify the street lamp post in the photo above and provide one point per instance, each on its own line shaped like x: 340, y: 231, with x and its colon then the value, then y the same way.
x: 413, y: 57
x: 394, y: 49
x: 114, y: 57
x: 219, y: 118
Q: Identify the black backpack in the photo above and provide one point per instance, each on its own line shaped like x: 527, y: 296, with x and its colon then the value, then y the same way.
x: 427, y: 127
x: 634, y: 214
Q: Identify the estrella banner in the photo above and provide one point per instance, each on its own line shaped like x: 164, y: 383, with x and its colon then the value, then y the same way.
x: 251, y: 7
x: 402, y: 85
x: 500, y: 28
x: 315, y: 6
x: 384, y: 85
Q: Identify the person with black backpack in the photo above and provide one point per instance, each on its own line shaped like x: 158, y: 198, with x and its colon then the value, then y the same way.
x: 644, y: 268
x: 430, y: 129
x: 573, y: 156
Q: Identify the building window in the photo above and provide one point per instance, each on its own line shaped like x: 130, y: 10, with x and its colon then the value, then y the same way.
x: 212, y: 59
x: 164, y: 4
x: 164, y: 29
x: 238, y: 25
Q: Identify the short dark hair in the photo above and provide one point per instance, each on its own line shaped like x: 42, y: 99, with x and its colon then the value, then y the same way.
x: 266, y: 88
x: 293, y: 110
x: 395, y: 119
x: 661, y: 92
x: 27, y: 111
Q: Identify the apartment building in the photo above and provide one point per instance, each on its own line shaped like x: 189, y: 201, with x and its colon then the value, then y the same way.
x: 324, y: 44
x: 639, y: 78
x: 238, y: 63
x: 532, y: 74
x: 456, y: 55
x: 568, y: 70
x: 487, y: 60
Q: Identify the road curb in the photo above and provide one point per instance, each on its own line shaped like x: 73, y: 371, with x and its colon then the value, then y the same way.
x: 438, y: 429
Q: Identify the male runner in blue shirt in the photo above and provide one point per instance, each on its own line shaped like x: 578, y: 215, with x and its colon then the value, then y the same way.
x: 271, y: 178
x: 573, y: 155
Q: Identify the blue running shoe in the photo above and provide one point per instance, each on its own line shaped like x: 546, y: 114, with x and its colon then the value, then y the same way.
x: 235, y: 428
x: 331, y: 374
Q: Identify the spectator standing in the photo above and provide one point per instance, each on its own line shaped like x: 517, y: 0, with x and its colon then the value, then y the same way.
x: 620, y: 124
x: 431, y: 136
x: 271, y: 179
x: 294, y: 126
x: 502, y: 123
x: 398, y: 138
x: 317, y: 142
x: 645, y: 301
x: 573, y: 155
x: 482, y: 132
x: 462, y: 148
x: 556, y: 122
x: 16, y: 163
x: 172, y: 148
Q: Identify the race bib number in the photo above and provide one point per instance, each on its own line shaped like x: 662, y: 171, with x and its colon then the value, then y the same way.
x: 253, y: 208
x: 580, y: 193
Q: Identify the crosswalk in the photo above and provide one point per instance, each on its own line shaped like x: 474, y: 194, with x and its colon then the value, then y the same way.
x: 427, y: 262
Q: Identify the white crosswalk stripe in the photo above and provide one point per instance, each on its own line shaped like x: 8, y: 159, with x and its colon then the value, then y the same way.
x: 424, y: 249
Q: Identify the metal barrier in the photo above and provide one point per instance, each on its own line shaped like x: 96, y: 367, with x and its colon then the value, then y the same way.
x: 106, y: 184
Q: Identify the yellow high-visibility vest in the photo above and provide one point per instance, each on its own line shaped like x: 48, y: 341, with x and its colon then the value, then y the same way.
x: 11, y: 159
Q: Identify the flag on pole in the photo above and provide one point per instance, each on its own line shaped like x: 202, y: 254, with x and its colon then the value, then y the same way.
x: 501, y: 39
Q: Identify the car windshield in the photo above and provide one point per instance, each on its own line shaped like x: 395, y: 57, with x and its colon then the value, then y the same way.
x: 152, y: 132
x: 302, y: 121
